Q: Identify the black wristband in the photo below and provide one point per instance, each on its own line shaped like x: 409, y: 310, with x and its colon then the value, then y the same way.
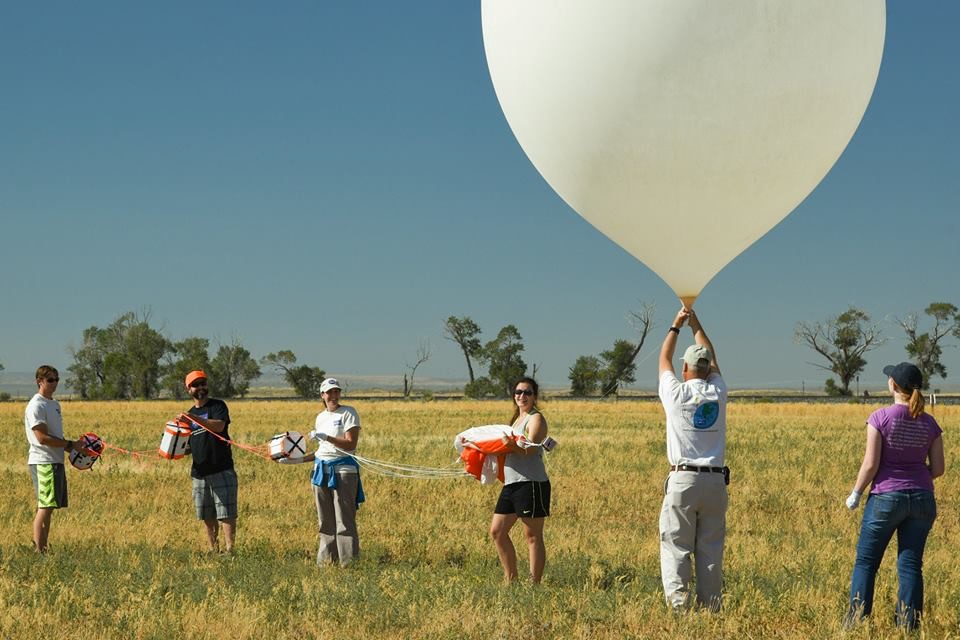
x: 676, y: 330
x: 69, y: 444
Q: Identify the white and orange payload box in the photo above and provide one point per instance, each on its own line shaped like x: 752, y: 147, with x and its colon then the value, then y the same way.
x: 175, y: 442
x: 289, y: 444
x: 91, y: 446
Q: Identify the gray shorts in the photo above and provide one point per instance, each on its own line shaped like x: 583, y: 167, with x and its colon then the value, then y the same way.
x: 50, y: 485
x: 215, y: 496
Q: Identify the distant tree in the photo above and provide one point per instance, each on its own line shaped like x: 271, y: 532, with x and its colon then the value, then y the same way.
x: 183, y: 357
x: 619, y: 362
x: 584, y: 376
x: 465, y: 333
x: 619, y: 368
x: 87, y: 372
x: 116, y: 383
x: 503, y: 359
x: 832, y: 390
x: 924, y: 348
x: 231, y: 370
x: 481, y: 388
x: 423, y: 354
x: 842, y: 341
x: 121, y: 360
x: 304, y: 379
x: 144, y: 347
x: 615, y: 367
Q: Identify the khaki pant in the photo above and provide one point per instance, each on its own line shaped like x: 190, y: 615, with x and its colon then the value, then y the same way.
x: 337, y: 515
x: 693, y: 523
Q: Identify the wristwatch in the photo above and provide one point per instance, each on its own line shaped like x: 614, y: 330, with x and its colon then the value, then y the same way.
x: 676, y: 330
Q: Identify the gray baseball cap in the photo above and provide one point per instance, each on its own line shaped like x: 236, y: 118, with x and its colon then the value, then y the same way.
x: 696, y: 353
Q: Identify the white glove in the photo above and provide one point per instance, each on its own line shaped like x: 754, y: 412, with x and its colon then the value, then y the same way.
x: 290, y: 460
x: 319, y: 436
x: 853, y: 500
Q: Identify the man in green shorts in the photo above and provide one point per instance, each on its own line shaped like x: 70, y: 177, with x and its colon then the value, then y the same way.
x: 44, y: 427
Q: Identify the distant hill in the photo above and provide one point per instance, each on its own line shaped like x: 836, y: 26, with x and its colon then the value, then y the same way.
x: 20, y: 385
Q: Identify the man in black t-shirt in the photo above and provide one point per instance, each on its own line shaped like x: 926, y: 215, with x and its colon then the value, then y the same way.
x: 214, y: 480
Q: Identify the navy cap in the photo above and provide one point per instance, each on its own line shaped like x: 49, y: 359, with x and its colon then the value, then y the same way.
x: 906, y: 375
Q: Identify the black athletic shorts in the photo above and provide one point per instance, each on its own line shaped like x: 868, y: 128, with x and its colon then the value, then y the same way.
x: 524, y: 499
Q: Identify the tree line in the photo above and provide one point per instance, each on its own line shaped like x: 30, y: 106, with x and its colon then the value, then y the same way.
x: 844, y: 340
x: 613, y: 369
x: 129, y: 358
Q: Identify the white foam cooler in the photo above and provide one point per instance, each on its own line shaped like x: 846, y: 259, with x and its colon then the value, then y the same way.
x: 289, y: 444
x: 91, y: 448
x: 175, y: 442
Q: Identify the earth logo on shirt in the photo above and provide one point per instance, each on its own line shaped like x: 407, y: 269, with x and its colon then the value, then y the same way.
x: 706, y: 415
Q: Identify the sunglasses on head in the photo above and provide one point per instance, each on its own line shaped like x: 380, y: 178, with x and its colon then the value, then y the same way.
x: 523, y: 392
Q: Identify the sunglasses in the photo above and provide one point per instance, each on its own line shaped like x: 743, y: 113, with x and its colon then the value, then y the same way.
x: 198, y: 383
x: 523, y: 392
x: 52, y: 379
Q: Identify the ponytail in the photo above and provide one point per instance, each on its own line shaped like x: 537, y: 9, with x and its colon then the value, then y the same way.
x: 916, y: 403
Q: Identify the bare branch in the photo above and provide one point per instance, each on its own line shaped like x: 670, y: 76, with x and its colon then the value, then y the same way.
x: 423, y: 354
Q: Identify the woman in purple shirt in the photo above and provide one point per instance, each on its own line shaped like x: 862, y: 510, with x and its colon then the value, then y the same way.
x: 904, y: 454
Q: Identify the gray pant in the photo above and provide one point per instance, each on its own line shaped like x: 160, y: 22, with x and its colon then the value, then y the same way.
x: 693, y: 521
x: 337, y: 514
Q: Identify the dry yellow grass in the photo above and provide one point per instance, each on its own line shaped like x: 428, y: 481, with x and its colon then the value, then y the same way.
x: 127, y: 561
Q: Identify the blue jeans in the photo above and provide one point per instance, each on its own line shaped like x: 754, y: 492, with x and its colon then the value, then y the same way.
x: 911, y: 514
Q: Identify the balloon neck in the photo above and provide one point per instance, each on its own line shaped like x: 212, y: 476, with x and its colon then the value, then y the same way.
x: 688, y: 301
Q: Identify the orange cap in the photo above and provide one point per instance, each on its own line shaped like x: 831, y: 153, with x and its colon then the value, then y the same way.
x: 194, y: 375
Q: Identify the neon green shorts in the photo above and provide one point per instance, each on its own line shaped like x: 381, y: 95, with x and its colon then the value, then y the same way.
x: 50, y: 484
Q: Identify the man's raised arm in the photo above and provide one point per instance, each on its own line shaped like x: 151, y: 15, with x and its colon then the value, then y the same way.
x: 700, y: 337
x: 670, y: 342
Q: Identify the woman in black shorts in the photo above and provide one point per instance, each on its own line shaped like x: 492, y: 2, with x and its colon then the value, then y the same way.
x: 526, y: 488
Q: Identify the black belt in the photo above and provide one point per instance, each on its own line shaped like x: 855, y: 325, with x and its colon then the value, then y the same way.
x: 690, y: 467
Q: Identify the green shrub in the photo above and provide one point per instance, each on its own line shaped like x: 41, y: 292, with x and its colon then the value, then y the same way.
x: 482, y: 388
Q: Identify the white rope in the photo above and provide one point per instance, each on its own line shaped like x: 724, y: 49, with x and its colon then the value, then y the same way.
x: 395, y: 470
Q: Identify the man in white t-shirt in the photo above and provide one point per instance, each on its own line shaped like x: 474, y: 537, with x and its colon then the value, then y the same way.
x: 43, y: 423
x: 693, y: 516
x: 336, y: 477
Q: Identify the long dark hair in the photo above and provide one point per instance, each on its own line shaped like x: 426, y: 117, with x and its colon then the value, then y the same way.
x: 513, y: 388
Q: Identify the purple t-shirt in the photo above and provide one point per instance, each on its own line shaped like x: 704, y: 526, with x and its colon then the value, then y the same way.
x: 906, y: 442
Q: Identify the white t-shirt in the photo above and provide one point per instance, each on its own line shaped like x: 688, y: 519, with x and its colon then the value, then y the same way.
x: 696, y: 419
x: 46, y: 411
x: 335, y: 423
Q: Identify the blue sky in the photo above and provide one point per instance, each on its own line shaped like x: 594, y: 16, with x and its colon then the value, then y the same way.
x: 338, y: 178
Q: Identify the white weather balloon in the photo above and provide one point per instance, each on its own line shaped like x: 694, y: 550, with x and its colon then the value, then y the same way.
x: 684, y: 130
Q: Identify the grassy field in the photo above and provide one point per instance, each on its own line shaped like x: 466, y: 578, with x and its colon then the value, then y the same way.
x: 127, y: 559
